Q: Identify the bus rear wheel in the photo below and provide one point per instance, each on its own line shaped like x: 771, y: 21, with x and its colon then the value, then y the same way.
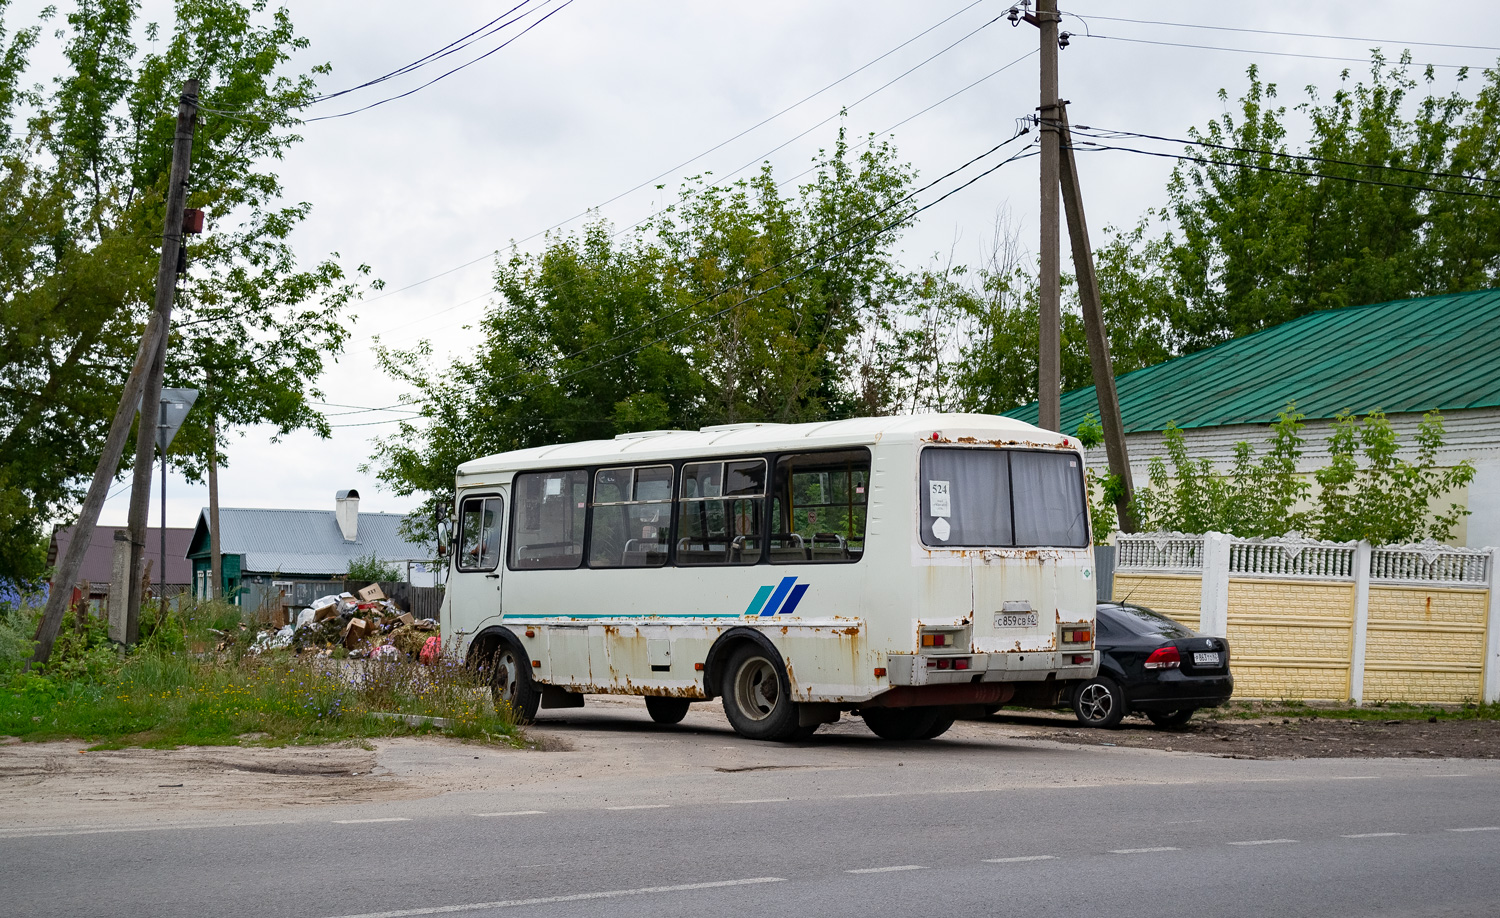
x: 903, y: 724
x: 758, y: 695
x: 510, y: 680
x: 666, y: 710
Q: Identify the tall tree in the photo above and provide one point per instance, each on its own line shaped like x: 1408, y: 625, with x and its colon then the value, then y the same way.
x: 85, y: 168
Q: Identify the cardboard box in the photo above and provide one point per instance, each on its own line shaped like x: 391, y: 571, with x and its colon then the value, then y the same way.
x: 404, y: 619
x: 355, y: 631
x: 372, y: 593
x: 327, y: 612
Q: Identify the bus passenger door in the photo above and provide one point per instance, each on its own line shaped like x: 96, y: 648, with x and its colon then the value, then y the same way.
x: 474, y: 587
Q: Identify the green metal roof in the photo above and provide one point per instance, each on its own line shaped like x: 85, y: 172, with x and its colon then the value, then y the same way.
x: 1437, y: 352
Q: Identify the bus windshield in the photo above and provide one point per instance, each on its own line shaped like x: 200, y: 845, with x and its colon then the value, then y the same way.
x: 1002, y: 498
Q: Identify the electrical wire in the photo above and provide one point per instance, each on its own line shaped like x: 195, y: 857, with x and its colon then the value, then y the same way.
x: 1096, y: 147
x: 725, y: 288
x: 403, y: 95
x: 763, y: 122
x: 1315, y: 57
x: 1108, y: 134
x: 1214, y: 28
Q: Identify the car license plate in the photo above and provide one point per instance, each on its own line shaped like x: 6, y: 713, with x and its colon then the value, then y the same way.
x: 1015, y: 619
x: 1205, y: 659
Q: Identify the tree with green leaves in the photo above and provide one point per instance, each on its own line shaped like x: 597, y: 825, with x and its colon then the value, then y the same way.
x: 85, y: 167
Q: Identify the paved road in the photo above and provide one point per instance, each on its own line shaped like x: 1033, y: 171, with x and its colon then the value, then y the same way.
x: 981, y: 825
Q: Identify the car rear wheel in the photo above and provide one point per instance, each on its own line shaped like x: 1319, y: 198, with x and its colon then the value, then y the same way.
x: 1171, y: 718
x: 758, y: 695
x: 1099, y: 702
x: 666, y: 710
x: 904, y: 724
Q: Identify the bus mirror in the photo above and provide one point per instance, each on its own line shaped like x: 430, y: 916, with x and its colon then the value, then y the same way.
x: 444, y: 538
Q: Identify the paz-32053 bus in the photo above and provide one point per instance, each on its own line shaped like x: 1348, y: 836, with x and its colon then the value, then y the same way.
x: 910, y: 569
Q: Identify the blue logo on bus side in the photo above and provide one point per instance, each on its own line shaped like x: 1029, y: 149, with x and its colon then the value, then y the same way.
x: 781, y: 599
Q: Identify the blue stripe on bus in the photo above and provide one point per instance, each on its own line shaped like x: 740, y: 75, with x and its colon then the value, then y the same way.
x: 565, y: 617
x: 782, y: 588
x: 760, y: 600
x: 796, y: 597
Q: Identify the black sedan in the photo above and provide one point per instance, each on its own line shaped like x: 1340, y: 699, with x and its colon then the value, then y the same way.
x: 1152, y: 665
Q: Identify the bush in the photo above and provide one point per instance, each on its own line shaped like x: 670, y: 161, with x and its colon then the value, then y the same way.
x: 372, y: 569
x: 1365, y: 492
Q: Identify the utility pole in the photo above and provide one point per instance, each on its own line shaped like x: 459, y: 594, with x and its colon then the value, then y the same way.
x: 152, y: 341
x: 215, y: 559
x: 1049, y: 321
x: 1093, y: 323
x: 166, y: 290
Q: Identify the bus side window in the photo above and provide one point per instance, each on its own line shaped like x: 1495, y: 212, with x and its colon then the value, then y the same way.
x: 479, y: 533
x: 820, y: 509
x: 549, y: 518
x: 631, y: 516
x: 719, y: 514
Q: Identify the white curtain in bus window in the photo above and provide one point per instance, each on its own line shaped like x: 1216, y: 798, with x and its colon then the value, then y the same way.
x: 818, y: 512
x: 1047, y: 490
x: 550, y: 510
x: 631, y: 517
x: 965, y: 498
x: 719, y: 513
x: 479, y: 533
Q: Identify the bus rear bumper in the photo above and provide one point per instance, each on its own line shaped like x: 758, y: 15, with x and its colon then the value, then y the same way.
x: 1027, y: 666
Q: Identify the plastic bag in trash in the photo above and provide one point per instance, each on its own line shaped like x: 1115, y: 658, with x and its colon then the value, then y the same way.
x: 385, y: 652
x: 268, y: 640
x: 305, y: 618
x: 432, y: 648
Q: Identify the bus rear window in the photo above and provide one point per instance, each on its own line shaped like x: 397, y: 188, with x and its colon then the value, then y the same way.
x: 1002, y: 498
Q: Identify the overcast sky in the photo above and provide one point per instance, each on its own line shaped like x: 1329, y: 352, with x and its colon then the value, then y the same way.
x: 608, y: 94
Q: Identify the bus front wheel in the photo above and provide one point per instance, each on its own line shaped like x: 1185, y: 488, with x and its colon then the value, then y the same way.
x: 510, y: 680
x: 758, y: 695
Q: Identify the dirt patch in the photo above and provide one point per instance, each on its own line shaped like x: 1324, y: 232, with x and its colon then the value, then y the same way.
x: 1305, y: 738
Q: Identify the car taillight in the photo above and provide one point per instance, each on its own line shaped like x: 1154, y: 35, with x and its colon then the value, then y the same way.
x: 1164, y: 658
x: 1077, y: 635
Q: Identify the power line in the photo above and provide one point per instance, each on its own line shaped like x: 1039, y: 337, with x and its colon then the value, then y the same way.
x: 1096, y: 147
x: 1214, y: 28
x: 725, y: 288
x: 1107, y: 133
x: 497, y: 48
x: 1316, y: 57
x: 763, y: 122
x: 452, y: 47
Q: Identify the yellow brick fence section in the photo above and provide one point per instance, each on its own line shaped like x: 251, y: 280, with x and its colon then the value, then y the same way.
x: 1425, y: 644
x: 1291, y: 638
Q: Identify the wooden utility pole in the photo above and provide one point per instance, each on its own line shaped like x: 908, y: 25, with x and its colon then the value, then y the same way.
x: 1049, y: 321
x: 166, y: 290
x: 1093, y: 323
x: 215, y: 559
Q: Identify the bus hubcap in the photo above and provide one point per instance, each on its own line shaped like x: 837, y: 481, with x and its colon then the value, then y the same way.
x: 505, y: 678
x: 1096, y: 702
x: 757, y: 689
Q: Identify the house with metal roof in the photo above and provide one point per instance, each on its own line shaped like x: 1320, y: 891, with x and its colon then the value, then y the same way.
x: 301, y: 553
x: 1405, y: 358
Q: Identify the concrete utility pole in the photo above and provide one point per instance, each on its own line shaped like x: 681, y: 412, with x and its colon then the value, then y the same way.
x: 119, y: 428
x: 1049, y: 322
x: 1093, y: 323
x: 166, y: 290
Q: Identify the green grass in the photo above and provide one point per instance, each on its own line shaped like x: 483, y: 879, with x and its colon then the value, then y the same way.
x: 160, y: 695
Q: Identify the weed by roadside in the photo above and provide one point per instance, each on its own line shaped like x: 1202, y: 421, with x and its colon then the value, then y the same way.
x: 162, y: 695
x: 1370, y: 711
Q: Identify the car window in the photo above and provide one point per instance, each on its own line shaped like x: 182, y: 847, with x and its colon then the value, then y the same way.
x: 1143, y: 621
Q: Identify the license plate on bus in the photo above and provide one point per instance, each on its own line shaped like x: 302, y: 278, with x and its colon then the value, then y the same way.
x: 1205, y: 659
x: 1015, y: 619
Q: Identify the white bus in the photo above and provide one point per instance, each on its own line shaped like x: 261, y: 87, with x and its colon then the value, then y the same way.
x: 910, y: 569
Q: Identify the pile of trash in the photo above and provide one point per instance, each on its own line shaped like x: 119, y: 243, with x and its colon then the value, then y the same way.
x: 368, y: 625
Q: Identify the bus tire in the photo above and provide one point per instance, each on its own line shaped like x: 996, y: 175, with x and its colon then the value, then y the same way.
x: 666, y: 710
x: 510, y: 680
x: 905, y: 724
x: 758, y: 695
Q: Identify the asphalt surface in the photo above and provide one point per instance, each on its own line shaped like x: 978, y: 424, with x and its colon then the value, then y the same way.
x: 982, y: 824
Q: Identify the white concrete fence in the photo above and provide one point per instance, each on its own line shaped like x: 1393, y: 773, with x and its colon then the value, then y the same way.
x: 1329, y: 620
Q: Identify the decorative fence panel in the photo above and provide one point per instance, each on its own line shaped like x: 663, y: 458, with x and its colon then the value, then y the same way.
x: 1326, y: 620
